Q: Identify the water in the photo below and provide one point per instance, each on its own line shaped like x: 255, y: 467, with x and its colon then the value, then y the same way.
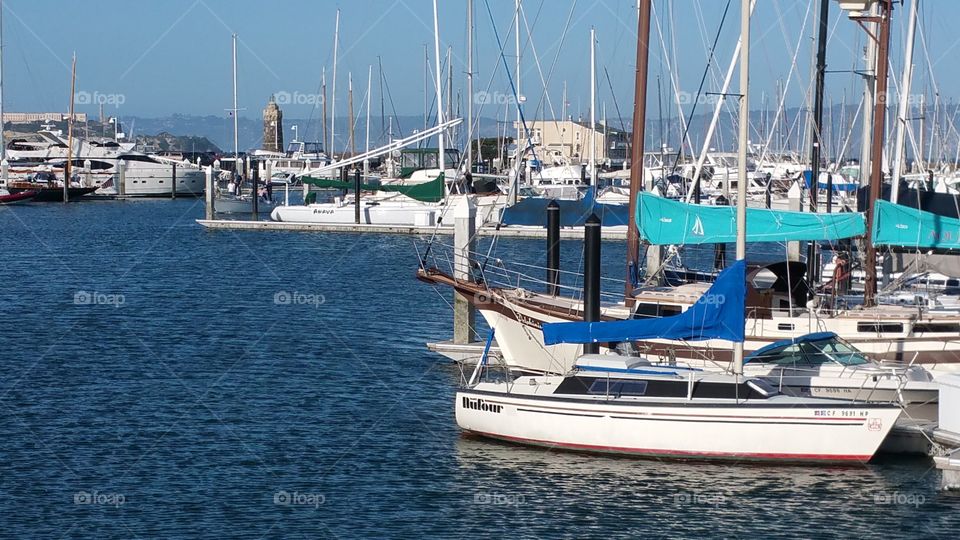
x: 156, y: 385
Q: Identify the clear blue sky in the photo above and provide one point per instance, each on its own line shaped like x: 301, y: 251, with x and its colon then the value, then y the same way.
x: 173, y: 56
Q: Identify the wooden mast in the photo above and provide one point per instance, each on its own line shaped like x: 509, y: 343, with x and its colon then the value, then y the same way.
x: 876, y: 159
x: 637, y: 142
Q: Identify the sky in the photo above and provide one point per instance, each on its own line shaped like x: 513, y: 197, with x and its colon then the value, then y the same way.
x: 157, y: 58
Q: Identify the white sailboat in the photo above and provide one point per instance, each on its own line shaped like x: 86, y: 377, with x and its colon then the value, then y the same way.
x: 620, y: 404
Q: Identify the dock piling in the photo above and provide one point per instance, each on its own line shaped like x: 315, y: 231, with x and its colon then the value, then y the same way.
x: 553, y: 248
x: 254, y: 171
x: 210, y: 193
x: 173, y: 183
x: 356, y: 196
x: 121, y: 178
x: 464, y: 314
x: 591, y: 276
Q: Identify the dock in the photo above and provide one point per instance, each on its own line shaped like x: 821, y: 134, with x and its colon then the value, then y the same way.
x: 568, y: 233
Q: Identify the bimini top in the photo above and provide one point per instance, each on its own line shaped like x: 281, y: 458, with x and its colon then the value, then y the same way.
x: 663, y: 221
x: 763, y: 351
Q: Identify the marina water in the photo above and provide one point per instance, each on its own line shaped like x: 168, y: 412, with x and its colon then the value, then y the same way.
x: 160, y: 380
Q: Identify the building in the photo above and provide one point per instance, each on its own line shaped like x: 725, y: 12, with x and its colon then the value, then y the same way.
x: 26, y: 118
x: 272, y: 127
x: 568, y: 141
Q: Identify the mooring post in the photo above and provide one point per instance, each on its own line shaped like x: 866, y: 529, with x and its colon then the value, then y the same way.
x: 4, y: 171
x: 255, y: 190
x: 553, y: 248
x: 268, y: 183
x: 356, y: 196
x: 210, y: 193
x: 464, y: 228
x: 829, y: 193
x: 793, y: 204
x: 121, y: 178
x: 173, y: 184
x: 591, y: 276
x: 88, y: 174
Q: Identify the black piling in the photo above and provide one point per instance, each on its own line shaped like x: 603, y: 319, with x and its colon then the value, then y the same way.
x: 591, y: 277
x: 553, y: 248
x: 173, y: 184
x: 356, y: 196
x: 254, y: 195
x: 829, y: 193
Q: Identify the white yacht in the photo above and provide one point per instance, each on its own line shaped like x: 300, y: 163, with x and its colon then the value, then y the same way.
x: 96, y: 162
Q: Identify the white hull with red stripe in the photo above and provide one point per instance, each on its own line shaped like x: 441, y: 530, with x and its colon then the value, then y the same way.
x: 775, y: 428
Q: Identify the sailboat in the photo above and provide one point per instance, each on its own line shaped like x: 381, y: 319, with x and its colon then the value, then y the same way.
x: 611, y: 403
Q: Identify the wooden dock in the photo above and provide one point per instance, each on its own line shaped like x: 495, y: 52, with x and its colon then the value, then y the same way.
x: 610, y: 233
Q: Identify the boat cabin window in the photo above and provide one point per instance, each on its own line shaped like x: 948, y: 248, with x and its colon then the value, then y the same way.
x: 615, y: 388
x: 137, y: 157
x: 879, y: 328
x: 922, y: 328
x: 646, y: 310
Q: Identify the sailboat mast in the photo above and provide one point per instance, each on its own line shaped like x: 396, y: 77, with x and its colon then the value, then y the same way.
x: 637, y: 142
x: 350, y: 120
x: 816, y: 133
x: 876, y: 159
x: 323, y: 95
x: 469, y: 85
x: 517, y: 78
x: 68, y: 166
x: 593, y: 106
x: 744, y: 134
x: 3, y: 143
x: 904, y: 108
x: 366, y: 150
x: 436, y: 50
x: 236, y: 123
x: 333, y: 92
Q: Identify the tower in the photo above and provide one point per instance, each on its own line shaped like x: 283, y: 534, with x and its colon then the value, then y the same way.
x: 272, y: 127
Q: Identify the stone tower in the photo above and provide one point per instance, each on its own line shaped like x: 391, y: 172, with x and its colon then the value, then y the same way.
x: 272, y: 127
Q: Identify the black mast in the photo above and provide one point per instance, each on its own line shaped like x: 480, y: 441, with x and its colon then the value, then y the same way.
x: 813, y: 268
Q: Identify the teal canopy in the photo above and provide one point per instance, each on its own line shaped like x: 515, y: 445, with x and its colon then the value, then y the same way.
x: 663, y: 221
x: 902, y: 226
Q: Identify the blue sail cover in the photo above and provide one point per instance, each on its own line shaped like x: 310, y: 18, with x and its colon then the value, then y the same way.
x: 902, y: 226
x: 718, y: 314
x: 663, y: 221
x: 532, y: 211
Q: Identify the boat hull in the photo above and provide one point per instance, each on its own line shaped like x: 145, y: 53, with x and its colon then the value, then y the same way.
x: 53, y: 194
x: 753, y: 432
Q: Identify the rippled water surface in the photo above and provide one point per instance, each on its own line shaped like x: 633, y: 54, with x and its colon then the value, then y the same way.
x: 164, y: 381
